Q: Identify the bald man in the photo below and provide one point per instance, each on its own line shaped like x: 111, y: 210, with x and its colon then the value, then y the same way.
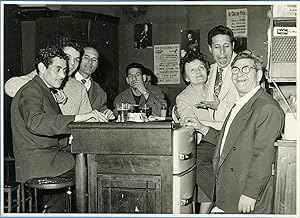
x: 97, y: 96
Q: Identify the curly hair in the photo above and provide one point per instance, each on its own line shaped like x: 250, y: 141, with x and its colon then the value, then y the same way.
x: 191, y: 56
x: 258, y: 59
x: 46, y: 55
x: 219, y: 30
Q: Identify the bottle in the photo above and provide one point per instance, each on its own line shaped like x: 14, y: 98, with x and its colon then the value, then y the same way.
x: 163, y: 111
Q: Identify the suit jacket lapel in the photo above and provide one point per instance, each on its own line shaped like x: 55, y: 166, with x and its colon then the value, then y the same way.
x: 47, y: 93
x: 216, y: 156
x: 237, y: 125
x: 93, y: 92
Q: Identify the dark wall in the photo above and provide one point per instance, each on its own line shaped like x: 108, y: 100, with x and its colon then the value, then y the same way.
x: 167, y: 21
x: 12, y: 66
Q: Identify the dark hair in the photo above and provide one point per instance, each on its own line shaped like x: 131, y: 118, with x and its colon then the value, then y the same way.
x: 220, y: 30
x: 191, y: 56
x: 258, y: 60
x: 46, y: 55
x: 68, y: 42
x: 135, y: 65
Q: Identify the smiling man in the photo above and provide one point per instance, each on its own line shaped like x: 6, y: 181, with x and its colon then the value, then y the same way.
x: 97, y: 96
x: 37, y: 123
x: 220, y: 86
x: 244, y: 155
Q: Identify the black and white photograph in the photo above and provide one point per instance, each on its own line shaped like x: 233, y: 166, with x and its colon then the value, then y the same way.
x: 149, y: 108
x: 142, y: 35
x: 189, y: 41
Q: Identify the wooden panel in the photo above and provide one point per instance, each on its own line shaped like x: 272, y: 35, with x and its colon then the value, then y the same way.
x: 129, y: 164
x: 167, y: 185
x: 133, y: 138
x: 285, y: 195
x: 129, y: 194
x: 92, y: 183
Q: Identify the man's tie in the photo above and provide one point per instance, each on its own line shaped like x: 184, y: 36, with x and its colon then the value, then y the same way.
x: 219, y: 82
x: 83, y: 81
x: 54, y: 91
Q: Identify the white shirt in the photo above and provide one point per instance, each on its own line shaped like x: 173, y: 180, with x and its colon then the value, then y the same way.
x: 88, y: 82
x: 238, y: 106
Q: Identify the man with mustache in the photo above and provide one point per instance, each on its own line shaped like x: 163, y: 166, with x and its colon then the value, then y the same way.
x: 39, y: 129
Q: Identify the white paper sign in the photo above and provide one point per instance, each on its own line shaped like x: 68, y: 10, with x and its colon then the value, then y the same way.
x: 237, y: 21
x: 166, y: 63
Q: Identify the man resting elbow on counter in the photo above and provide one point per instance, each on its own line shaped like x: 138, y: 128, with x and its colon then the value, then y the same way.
x: 245, y: 145
x: 38, y: 127
x: 138, y: 93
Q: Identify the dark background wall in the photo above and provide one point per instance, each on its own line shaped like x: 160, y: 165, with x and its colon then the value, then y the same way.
x: 167, y: 21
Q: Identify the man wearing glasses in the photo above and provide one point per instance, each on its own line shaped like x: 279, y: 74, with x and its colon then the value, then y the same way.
x: 243, y: 160
x: 97, y: 96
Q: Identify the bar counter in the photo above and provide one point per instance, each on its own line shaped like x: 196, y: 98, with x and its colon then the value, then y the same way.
x: 133, y: 167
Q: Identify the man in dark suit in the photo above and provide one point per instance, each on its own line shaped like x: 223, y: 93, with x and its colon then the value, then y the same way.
x: 39, y: 129
x: 245, y: 153
x: 97, y: 96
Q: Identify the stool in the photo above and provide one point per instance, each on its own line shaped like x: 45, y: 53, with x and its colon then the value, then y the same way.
x: 26, y: 197
x: 52, y: 183
x: 13, y: 193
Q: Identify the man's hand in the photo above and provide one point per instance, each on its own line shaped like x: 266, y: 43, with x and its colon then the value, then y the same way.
x: 60, y: 96
x: 109, y: 114
x: 192, y: 122
x: 94, y: 116
x: 209, y: 104
x: 139, y: 86
x: 246, y: 204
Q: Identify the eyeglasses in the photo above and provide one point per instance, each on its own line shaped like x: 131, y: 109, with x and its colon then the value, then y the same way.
x: 245, y: 70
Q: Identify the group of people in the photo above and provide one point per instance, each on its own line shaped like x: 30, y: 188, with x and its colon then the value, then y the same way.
x: 59, y: 91
x: 236, y: 120
x: 237, y: 123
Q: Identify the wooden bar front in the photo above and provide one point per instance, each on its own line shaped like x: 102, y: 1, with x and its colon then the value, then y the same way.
x: 128, y: 167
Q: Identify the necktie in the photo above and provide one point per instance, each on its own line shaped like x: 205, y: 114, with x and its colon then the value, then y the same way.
x: 83, y: 81
x: 218, y: 82
x: 54, y: 91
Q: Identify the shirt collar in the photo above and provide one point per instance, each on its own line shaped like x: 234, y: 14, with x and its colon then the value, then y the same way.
x: 79, y: 77
x: 243, y: 100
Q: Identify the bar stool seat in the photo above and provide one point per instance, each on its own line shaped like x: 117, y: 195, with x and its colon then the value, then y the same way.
x: 51, y: 183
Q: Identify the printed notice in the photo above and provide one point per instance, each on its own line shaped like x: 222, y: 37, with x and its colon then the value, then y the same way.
x: 166, y: 64
x: 237, y: 21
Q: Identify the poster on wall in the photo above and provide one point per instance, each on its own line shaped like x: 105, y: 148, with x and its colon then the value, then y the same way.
x: 237, y: 21
x: 166, y: 64
x: 189, y: 41
x: 143, y: 35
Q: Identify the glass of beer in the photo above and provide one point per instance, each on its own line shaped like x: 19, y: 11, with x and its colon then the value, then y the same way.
x: 122, y: 109
x: 146, y: 110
